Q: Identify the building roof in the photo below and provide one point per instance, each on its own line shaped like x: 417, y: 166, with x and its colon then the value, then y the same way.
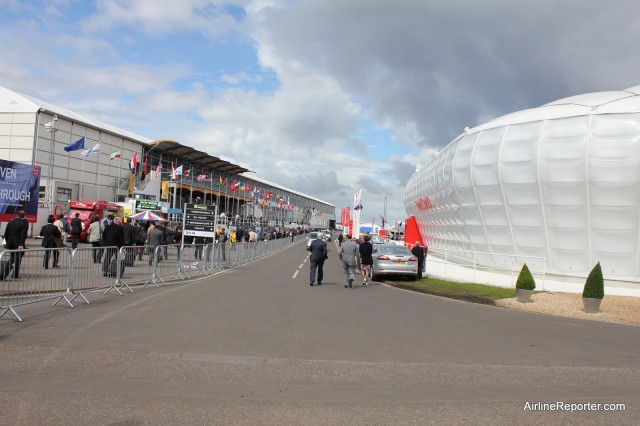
x: 194, y: 156
x: 276, y: 185
x: 15, y: 102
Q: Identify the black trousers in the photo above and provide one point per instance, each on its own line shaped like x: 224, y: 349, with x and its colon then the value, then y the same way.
x: 316, y: 264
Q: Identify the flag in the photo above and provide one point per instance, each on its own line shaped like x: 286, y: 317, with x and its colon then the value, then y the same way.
x: 144, y: 168
x: 186, y: 172
x: 247, y: 187
x: 268, y: 195
x: 115, y: 154
x: 175, y: 173
x: 158, y: 170
x: 357, y: 200
x: 234, y: 186
x: 94, y: 150
x: 79, y: 144
x: 221, y: 182
x: 133, y: 164
x: 203, y: 178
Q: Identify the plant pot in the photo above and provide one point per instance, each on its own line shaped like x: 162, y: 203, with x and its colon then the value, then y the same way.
x: 591, y: 306
x: 524, y: 296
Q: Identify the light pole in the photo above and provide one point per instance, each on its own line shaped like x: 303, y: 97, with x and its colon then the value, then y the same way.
x: 50, y: 127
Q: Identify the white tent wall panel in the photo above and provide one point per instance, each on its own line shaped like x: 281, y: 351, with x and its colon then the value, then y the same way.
x: 561, y: 182
x: 614, y: 190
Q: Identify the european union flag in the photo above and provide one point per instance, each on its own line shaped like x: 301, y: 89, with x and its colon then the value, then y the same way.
x: 79, y: 144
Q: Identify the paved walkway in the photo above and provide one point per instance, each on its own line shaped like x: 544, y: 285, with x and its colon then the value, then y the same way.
x: 257, y: 345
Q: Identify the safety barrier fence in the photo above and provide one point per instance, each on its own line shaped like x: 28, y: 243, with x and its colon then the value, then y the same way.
x: 469, y: 266
x: 64, y: 275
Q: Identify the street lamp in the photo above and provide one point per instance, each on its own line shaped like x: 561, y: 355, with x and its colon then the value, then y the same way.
x: 50, y: 127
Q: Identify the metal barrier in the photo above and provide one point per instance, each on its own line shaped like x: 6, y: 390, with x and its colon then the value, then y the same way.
x: 36, y: 275
x: 477, y: 262
x: 33, y: 275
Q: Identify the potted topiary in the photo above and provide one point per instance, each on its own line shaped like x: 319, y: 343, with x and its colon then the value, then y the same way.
x: 593, y: 290
x: 525, y: 285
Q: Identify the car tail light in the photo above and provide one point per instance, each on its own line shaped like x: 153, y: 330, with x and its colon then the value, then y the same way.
x: 413, y: 259
x: 383, y: 258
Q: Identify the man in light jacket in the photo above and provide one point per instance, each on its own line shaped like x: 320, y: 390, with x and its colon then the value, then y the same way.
x: 347, y: 254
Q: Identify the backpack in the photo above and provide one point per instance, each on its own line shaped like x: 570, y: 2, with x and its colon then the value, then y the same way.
x: 142, y: 237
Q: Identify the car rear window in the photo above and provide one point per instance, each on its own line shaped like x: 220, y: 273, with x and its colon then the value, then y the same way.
x: 397, y: 250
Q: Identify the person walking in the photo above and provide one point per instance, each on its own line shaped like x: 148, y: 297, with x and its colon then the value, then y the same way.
x: 48, y: 232
x: 94, y: 236
x: 129, y: 233
x: 340, y: 239
x: 154, y: 240
x: 63, y: 226
x: 419, y: 252
x: 222, y: 241
x: 76, y: 230
x: 199, y: 246
x: 113, y: 238
x: 365, y: 250
x: 318, y: 249
x: 15, y: 236
x: 140, y: 238
x: 347, y: 255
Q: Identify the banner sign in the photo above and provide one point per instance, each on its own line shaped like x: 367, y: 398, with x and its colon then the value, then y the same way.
x: 199, y: 220
x: 164, y: 193
x: 19, y: 190
x: 148, y: 205
x: 131, y: 188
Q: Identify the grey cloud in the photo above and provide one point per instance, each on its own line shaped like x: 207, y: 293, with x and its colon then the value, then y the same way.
x: 430, y: 68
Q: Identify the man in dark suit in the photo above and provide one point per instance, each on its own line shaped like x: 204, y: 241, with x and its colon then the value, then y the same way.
x: 419, y: 252
x: 112, y: 237
x: 318, y: 249
x: 129, y: 234
x: 15, y: 235
x: 76, y: 230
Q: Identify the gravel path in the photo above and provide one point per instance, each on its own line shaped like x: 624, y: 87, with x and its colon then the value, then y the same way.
x: 620, y: 309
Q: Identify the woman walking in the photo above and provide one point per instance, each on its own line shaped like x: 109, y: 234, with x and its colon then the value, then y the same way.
x: 366, y: 259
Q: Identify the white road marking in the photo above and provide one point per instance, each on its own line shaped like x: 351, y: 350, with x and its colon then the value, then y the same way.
x: 295, y: 275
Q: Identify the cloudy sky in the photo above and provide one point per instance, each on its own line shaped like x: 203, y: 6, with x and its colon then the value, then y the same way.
x: 321, y: 96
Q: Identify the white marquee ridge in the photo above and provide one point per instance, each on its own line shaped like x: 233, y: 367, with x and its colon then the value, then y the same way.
x: 614, y: 102
x: 14, y: 102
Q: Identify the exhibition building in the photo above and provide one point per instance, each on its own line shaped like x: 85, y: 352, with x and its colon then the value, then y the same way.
x: 79, y: 158
x: 557, y: 186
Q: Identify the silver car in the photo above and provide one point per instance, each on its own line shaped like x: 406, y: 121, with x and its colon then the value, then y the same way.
x: 392, y: 259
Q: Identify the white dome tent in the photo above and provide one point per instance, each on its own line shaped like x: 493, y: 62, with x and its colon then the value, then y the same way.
x: 559, y: 182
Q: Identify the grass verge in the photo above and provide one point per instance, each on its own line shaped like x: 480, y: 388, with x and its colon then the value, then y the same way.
x: 478, y: 293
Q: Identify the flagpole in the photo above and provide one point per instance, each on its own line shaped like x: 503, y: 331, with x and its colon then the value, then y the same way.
x: 98, y: 175
x: 81, y: 181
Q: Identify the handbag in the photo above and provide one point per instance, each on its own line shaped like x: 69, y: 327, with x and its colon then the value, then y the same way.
x: 56, y: 240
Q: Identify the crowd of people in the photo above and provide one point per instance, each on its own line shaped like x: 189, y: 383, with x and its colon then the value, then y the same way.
x: 109, y: 234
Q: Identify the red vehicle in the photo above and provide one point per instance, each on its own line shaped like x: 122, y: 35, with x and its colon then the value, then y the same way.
x: 90, y: 209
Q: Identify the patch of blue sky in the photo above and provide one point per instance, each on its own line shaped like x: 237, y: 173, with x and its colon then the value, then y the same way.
x: 381, y: 143
x: 236, y: 11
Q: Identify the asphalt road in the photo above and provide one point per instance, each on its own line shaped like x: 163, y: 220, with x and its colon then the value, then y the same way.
x: 257, y: 345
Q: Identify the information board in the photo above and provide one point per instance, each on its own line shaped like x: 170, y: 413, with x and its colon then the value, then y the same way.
x: 199, y: 220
